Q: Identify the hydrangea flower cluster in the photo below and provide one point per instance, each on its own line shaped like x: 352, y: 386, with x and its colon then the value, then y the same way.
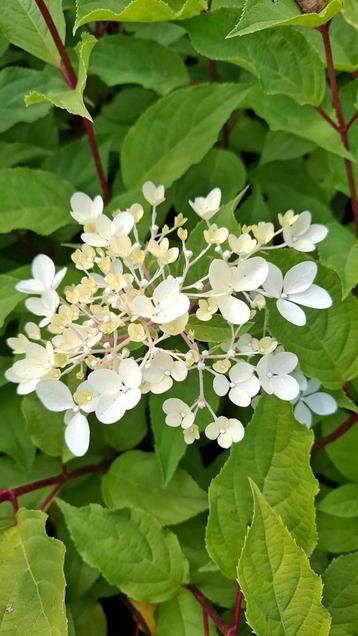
x: 115, y: 335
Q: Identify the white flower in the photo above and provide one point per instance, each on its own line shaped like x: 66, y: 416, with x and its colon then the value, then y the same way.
x: 225, y: 431
x: 167, y: 303
x: 38, y: 362
x: 84, y: 210
x: 57, y: 397
x: 273, y: 371
x: 104, y: 230
x: 115, y: 392
x: 44, y: 276
x: 44, y: 306
x: 311, y: 399
x: 207, y: 206
x: 225, y: 280
x: 296, y: 288
x: 155, y: 195
x: 303, y: 236
x: 191, y: 434
x: 161, y: 372
x: 178, y: 413
x: 243, y: 384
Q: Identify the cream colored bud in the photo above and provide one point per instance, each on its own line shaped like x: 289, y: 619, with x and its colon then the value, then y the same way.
x: 287, y: 219
x: 207, y: 308
x: 259, y: 302
x: 243, y: 244
x: 33, y: 330
x: 216, y: 235
x: 222, y: 366
x: 136, y: 210
x: 263, y: 232
x: 83, y: 397
x: 136, y: 332
x: 182, y: 234
x: 60, y: 359
x: 176, y: 326
x: 180, y: 220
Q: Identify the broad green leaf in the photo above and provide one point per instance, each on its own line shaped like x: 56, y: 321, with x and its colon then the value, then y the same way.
x: 9, y: 297
x: 80, y: 577
x: 15, y: 82
x: 181, y: 616
x: 342, y: 451
x: 275, y: 453
x: 281, y: 145
x: 89, y: 618
x: 350, y: 12
x: 298, y: 73
x: 283, y: 594
x: 340, y: 594
x: 164, y: 33
x: 132, y: 429
x: 216, y: 330
x: 34, y: 200
x: 13, y: 153
x: 344, y: 44
x: 135, y: 479
x: 138, y: 62
x: 70, y: 100
x: 187, y: 122
x: 135, y: 10
x: 283, y: 113
x: 23, y: 25
x: 45, y: 428
x: 337, y: 534
x: 339, y: 251
x: 327, y: 345
x: 32, y: 584
x: 259, y: 14
x: 219, y: 168
x: 14, y: 438
x: 130, y: 549
x: 341, y: 502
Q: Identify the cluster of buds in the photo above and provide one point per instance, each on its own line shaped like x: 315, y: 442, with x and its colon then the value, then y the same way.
x: 124, y: 330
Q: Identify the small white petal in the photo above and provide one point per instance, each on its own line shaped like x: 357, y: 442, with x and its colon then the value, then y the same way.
x: 130, y: 373
x: 315, y: 297
x: 321, y: 403
x: 179, y: 371
x: 302, y: 414
x: 170, y: 313
x: 43, y: 269
x: 273, y: 282
x: 299, y: 277
x: 221, y: 385
x: 29, y: 286
x: 77, y: 434
x: 241, y: 372
x: 225, y: 440
x: 283, y: 362
x: 123, y: 223
x: 239, y: 397
x: 236, y: 430
x: 81, y: 205
x: 233, y: 310
x: 55, y: 395
x: 132, y: 397
x: 219, y: 275
x: 250, y: 274
x: 142, y: 306
x: 316, y: 233
x: 93, y: 239
x: 166, y: 293
x: 212, y: 431
x: 59, y: 277
x: 174, y: 405
x: 285, y: 387
x: 103, y: 380
x: 291, y: 312
x: 111, y: 407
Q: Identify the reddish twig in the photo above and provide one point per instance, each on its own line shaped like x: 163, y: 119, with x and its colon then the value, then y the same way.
x: 233, y: 631
x: 69, y: 76
x: 213, y: 70
x: 205, y: 623
x: 209, y: 610
x: 328, y: 439
x: 328, y: 119
x: 352, y: 120
x: 342, y: 126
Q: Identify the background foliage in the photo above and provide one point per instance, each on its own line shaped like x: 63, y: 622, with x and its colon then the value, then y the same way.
x: 146, y: 530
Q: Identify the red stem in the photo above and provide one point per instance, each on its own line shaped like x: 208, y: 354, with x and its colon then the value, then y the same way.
x: 205, y: 622
x: 69, y: 76
x: 328, y: 439
x: 233, y: 631
x: 328, y: 119
x: 342, y: 126
x: 209, y: 610
x: 352, y: 120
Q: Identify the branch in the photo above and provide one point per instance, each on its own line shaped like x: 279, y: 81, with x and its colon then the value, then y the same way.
x: 209, y: 610
x: 69, y: 76
x: 328, y: 119
x: 342, y: 126
x: 352, y: 120
x: 328, y: 439
x: 236, y: 620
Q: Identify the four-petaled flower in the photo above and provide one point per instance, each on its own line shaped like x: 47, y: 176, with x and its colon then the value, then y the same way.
x: 167, y: 304
x: 225, y: 430
x: 311, y: 399
x: 303, y: 236
x: 38, y: 363
x: 178, y: 413
x: 207, y: 206
x: 162, y: 371
x: 243, y: 384
x: 274, y: 372
x: 44, y: 276
x: 83, y: 209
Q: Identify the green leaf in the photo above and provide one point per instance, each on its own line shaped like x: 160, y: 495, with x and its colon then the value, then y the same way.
x: 298, y: 73
x: 14, y: 438
x: 339, y: 251
x: 13, y: 153
x: 130, y: 549
x: 341, y: 502
x: 275, y: 453
x: 45, y: 428
x: 9, y: 297
x: 89, y: 618
x: 32, y: 586
x: 34, y: 200
x: 340, y: 594
x: 342, y: 451
x: 138, y: 62
x: 259, y: 14
x: 350, y: 12
x: 70, y: 100
x: 135, y: 10
x: 191, y: 118
x: 23, y: 25
x: 337, y: 534
x: 216, y: 330
x: 327, y: 345
x: 132, y: 429
x: 281, y: 145
x: 282, y: 593
x: 135, y: 479
x: 182, y: 616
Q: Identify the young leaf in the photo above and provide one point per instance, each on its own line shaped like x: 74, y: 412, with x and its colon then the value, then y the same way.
x: 135, y: 479
x: 130, y: 549
x: 9, y: 296
x: 341, y: 502
x: 14, y: 438
x: 32, y: 584
x: 350, y: 12
x: 23, y: 25
x: 68, y: 99
x: 187, y: 123
x: 33, y: 200
x: 181, y: 616
x: 45, y: 428
x: 135, y: 10
x: 275, y: 454
x: 342, y: 452
x: 340, y: 594
x: 337, y: 534
x: 282, y: 593
x: 339, y: 251
x: 138, y: 62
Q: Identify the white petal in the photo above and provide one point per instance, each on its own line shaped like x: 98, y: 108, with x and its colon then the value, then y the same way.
x: 25, y: 388
x: 77, y: 435
x: 81, y: 205
x: 54, y: 395
x: 111, y: 407
x: 132, y: 398
x: 285, y: 387
x: 321, y: 403
x: 316, y: 233
x: 225, y: 440
x: 283, y: 362
x: 179, y: 371
x: 273, y: 283
x: 177, y: 309
x: 233, y: 310
x: 59, y: 277
x: 103, y: 380
x: 299, y: 277
x: 302, y: 224
x: 214, y: 198
x: 212, y: 430
x: 239, y: 397
x: 93, y: 239
x: 250, y: 274
x: 104, y: 226
x: 241, y: 372
x: 236, y: 430
x: 301, y: 245
x: 174, y: 405
x: 97, y: 206
x: 291, y: 312
x: 142, y: 306
x: 36, y: 306
x: 166, y: 293
x: 173, y: 419
x: 43, y: 269
x: 302, y: 414
x: 162, y: 386
x: 29, y: 285
x: 220, y: 275
x: 221, y: 385
x: 130, y: 373
x: 315, y: 297
x: 123, y: 223
x: 312, y: 386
